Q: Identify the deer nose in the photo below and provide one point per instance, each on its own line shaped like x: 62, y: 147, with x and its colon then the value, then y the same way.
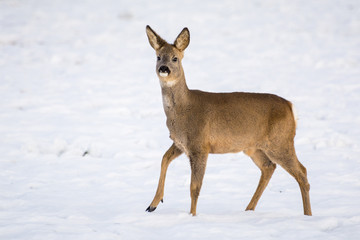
x: 164, y: 69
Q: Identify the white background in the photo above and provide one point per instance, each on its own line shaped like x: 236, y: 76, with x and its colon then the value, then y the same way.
x: 78, y: 78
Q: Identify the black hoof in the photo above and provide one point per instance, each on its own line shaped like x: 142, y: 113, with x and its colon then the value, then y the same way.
x: 162, y: 200
x: 150, y: 209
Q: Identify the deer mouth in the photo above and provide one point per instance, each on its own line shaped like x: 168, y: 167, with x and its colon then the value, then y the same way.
x: 164, y: 71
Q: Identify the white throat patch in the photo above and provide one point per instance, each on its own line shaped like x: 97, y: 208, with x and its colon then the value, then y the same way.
x: 168, y: 83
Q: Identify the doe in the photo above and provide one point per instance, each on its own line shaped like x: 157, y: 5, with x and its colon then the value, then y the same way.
x: 261, y: 125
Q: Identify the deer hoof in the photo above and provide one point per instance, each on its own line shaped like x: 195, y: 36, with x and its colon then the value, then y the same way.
x: 150, y: 209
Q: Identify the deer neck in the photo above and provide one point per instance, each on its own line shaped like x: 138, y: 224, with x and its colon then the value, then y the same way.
x: 175, y: 95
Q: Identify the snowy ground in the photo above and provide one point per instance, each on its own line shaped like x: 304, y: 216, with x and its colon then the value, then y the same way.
x: 83, y: 129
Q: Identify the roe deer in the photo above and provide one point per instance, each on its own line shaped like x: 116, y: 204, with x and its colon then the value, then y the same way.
x: 261, y: 125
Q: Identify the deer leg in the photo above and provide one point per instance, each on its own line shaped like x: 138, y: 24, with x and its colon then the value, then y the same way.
x: 267, y: 169
x: 170, y: 155
x: 305, y: 188
x: 198, y: 166
x: 291, y: 164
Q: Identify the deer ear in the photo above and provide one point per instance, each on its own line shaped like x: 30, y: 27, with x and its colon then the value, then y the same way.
x: 155, y: 40
x: 183, y: 40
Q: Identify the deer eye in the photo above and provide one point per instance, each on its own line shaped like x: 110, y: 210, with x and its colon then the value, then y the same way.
x: 158, y: 58
x: 175, y: 59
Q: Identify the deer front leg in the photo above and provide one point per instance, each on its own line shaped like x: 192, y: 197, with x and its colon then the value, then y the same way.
x: 170, y: 155
x: 198, y: 166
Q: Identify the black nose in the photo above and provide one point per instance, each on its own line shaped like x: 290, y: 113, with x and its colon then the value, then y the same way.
x: 164, y: 69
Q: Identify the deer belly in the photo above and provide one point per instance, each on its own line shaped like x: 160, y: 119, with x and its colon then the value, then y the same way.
x: 226, y: 147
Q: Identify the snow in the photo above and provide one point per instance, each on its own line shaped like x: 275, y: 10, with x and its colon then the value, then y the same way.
x: 83, y: 129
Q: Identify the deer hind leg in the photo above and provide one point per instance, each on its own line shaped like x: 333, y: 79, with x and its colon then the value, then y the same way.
x: 170, y: 155
x: 198, y: 166
x: 289, y: 161
x: 267, y: 169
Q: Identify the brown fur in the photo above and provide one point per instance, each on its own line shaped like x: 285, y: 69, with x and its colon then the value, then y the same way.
x: 261, y: 125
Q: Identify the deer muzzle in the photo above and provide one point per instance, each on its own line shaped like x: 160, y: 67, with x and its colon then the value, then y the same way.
x: 164, y: 71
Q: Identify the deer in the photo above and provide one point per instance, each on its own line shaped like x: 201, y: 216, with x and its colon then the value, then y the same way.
x: 200, y: 123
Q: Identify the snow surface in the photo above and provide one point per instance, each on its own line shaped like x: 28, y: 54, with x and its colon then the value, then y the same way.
x: 83, y: 130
